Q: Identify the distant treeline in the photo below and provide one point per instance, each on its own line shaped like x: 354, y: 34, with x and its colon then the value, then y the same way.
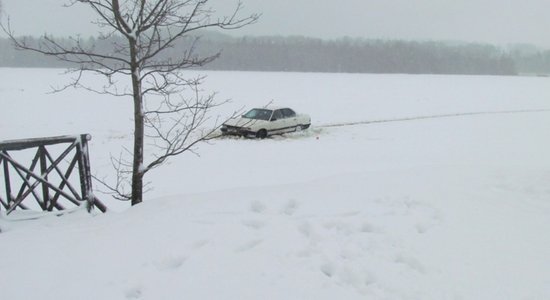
x: 535, y: 62
x: 359, y: 56
x: 302, y: 54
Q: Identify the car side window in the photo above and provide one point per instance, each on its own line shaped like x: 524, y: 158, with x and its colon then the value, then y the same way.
x: 289, y: 113
x: 278, y: 114
x: 264, y: 115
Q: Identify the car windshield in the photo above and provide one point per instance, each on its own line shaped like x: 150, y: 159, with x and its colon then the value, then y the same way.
x: 258, y: 114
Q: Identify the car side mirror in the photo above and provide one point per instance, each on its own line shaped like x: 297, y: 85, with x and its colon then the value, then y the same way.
x: 273, y: 119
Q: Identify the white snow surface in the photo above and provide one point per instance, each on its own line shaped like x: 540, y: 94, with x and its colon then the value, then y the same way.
x: 436, y: 208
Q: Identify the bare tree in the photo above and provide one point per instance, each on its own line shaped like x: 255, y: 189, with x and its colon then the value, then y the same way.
x: 140, y: 33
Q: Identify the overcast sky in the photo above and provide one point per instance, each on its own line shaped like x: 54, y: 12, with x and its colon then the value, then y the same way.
x: 492, y: 21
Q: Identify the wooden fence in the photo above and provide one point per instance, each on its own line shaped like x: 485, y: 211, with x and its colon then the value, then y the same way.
x: 48, y: 179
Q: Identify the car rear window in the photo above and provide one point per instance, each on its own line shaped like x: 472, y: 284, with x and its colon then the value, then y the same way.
x: 288, y: 113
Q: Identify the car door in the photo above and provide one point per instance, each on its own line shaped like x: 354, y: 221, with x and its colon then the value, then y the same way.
x: 278, y: 122
x: 291, y: 120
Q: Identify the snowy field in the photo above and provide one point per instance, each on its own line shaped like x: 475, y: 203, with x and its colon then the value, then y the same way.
x: 448, y: 207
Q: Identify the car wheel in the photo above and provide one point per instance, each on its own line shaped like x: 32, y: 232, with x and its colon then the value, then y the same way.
x: 261, y: 134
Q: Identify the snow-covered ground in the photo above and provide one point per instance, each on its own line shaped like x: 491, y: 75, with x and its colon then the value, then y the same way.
x: 456, y: 207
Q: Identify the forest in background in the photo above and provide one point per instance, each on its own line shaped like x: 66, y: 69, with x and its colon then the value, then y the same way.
x: 345, y: 55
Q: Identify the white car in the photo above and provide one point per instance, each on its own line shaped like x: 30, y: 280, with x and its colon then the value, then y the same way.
x: 263, y: 122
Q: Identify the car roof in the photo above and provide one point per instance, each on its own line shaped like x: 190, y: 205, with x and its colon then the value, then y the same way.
x: 270, y: 107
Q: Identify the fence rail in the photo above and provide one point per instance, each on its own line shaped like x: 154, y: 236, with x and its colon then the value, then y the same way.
x: 48, y: 178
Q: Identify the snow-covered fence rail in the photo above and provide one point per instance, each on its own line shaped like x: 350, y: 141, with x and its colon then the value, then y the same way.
x: 48, y: 178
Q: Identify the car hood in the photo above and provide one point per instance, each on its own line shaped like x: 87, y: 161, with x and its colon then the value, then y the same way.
x: 243, y: 122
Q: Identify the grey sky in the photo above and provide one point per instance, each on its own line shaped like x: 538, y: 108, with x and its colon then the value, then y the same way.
x: 493, y: 21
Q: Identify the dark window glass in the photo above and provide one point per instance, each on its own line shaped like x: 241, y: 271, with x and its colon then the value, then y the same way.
x: 278, y: 114
x: 258, y: 114
x: 289, y: 113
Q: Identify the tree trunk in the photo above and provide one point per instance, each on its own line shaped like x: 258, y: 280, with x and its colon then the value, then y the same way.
x: 137, y: 165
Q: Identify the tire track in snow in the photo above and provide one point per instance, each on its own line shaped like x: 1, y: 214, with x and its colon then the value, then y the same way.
x: 433, y: 117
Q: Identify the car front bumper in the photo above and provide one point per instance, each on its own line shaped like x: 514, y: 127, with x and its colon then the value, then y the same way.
x: 234, y: 130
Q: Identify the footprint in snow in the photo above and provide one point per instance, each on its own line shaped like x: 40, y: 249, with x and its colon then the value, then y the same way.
x: 199, y: 244
x: 249, y: 245
x: 339, y: 226
x: 422, y: 227
x: 411, y: 262
x: 254, y: 224
x: 171, y: 263
x: 328, y: 269
x: 349, y: 214
x: 290, y: 208
x: 306, y: 229
x: 367, y: 227
x: 133, y: 293
x: 257, y: 206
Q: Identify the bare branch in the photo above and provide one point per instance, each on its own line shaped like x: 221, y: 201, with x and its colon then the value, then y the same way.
x: 172, y: 112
